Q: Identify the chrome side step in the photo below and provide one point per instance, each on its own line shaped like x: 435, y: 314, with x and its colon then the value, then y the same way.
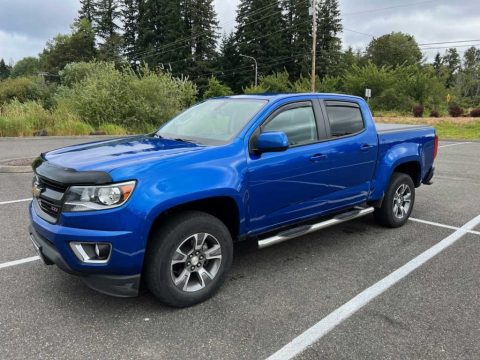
x: 307, y: 229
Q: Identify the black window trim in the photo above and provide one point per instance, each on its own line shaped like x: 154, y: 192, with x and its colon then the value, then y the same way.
x: 340, y: 103
x: 318, y: 114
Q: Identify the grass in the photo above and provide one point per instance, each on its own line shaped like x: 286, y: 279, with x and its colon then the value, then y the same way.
x: 24, y: 119
x: 448, y: 128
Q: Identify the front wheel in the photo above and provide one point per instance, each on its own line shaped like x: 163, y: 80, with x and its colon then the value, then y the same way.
x: 398, y: 202
x: 188, y: 258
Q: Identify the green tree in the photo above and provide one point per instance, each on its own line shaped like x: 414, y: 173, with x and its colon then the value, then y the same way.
x: 4, y: 70
x: 452, y: 62
x: 229, y: 61
x: 469, y: 76
x: 394, y: 49
x: 79, y: 45
x: 107, y: 14
x: 28, y: 66
x: 216, y: 88
x: 162, y: 36
x: 299, y: 36
x: 329, y: 44
x: 130, y: 18
x: 107, y: 17
x: 202, y: 29
x: 87, y: 10
x: 260, y: 33
x: 437, y: 64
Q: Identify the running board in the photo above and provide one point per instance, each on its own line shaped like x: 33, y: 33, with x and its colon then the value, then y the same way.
x: 307, y: 229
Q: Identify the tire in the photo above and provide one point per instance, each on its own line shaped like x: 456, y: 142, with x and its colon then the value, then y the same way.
x: 188, y: 258
x: 398, y: 202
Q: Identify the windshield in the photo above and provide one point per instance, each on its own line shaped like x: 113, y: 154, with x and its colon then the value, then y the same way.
x: 215, y: 121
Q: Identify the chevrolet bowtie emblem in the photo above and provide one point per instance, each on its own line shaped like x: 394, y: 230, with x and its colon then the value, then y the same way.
x: 36, y: 189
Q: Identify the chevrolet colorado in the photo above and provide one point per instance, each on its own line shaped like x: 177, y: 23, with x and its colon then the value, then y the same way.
x: 167, y: 207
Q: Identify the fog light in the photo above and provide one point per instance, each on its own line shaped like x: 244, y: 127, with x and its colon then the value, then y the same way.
x: 92, y: 253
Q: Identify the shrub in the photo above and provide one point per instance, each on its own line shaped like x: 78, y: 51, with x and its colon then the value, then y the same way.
x: 216, y: 88
x: 434, y: 113
x: 455, y: 111
x: 22, y: 89
x: 106, y: 95
x: 76, y: 72
x: 418, y: 111
x: 392, y: 100
x: 475, y: 112
x: 275, y: 83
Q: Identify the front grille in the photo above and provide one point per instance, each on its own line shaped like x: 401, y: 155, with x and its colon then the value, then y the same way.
x: 49, y: 207
x: 52, y: 185
x: 50, y: 200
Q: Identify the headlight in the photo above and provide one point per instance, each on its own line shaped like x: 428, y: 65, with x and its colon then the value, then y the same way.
x: 88, y: 198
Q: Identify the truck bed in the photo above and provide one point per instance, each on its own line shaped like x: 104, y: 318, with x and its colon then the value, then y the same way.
x: 386, y: 128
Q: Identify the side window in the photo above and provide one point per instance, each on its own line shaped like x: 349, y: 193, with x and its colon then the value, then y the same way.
x: 344, y: 119
x: 298, y: 123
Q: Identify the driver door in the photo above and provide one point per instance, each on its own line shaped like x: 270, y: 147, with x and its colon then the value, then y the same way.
x: 288, y: 185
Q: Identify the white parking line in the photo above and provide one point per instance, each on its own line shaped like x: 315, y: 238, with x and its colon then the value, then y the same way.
x: 442, y: 225
x: 455, y: 144
x: 324, y: 326
x: 14, y: 201
x: 18, y: 262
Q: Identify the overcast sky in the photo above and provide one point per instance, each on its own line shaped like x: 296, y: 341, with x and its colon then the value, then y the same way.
x: 25, y: 25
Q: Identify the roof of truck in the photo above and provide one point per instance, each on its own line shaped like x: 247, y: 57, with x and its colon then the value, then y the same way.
x: 279, y: 96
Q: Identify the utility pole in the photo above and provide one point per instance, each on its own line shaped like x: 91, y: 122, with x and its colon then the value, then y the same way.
x: 314, y: 42
x: 256, y: 67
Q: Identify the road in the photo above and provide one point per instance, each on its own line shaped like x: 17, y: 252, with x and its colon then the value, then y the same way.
x: 272, y: 296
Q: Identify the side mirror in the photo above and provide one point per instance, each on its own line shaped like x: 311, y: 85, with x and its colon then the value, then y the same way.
x: 271, y: 141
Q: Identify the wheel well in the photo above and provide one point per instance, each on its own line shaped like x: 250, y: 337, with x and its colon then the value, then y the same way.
x: 412, y: 169
x: 222, y: 207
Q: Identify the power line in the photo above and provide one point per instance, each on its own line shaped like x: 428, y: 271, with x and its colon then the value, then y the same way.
x: 388, y: 8
x: 448, y: 42
x: 448, y: 47
x: 359, y: 32
x: 257, y: 38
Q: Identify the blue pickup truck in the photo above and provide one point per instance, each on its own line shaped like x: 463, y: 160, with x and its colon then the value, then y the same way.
x: 164, y: 209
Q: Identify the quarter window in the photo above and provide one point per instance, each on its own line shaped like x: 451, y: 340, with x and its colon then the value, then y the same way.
x: 344, y: 120
x: 298, y: 123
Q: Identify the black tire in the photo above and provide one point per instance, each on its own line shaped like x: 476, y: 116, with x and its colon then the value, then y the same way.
x: 385, y: 215
x: 164, y: 242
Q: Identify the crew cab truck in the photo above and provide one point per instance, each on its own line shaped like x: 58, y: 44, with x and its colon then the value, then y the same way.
x: 166, y: 208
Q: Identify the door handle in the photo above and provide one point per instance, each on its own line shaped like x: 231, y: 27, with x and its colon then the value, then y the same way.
x: 366, y: 147
x: 318, y: 157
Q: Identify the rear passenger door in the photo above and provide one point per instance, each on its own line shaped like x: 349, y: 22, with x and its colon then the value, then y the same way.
x: 351, y: 148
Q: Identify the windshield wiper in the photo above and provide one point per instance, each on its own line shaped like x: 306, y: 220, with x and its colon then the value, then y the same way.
x: 185, y: 140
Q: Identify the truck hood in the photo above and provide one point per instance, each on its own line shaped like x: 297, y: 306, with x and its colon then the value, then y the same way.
x: 111, y: 154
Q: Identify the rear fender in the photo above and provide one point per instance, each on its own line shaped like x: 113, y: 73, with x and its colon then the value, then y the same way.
x: 395, y: 156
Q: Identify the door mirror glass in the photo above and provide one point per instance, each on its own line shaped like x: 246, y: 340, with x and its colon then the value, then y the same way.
x: 270, y: 141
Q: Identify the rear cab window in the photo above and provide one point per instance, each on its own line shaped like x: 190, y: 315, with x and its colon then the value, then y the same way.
x: 345, y: 118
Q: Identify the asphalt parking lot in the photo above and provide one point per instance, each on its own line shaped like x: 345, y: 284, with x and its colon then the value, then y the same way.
x: 272, y: 296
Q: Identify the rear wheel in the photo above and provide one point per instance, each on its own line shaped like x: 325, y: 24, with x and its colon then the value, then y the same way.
x: 398, y: 202
x: 188, y: 258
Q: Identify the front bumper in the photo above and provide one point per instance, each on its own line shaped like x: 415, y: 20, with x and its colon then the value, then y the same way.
x: 52, y: 243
